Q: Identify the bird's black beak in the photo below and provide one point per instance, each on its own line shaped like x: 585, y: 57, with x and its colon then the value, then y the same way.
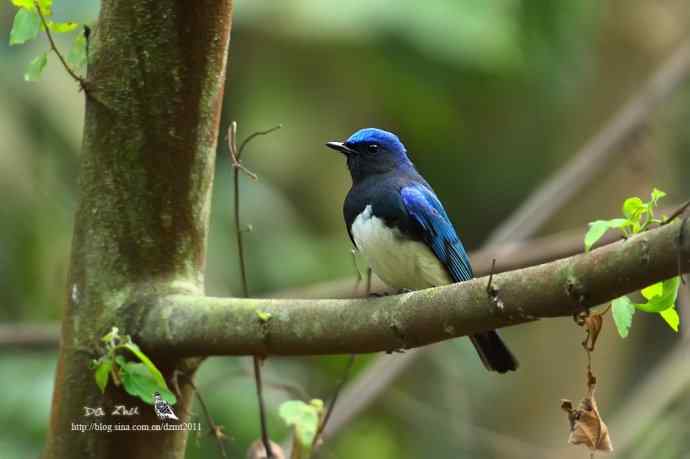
x: 341, y: 147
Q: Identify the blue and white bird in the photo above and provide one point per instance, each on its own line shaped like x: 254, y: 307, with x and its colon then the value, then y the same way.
x: 396, y: 221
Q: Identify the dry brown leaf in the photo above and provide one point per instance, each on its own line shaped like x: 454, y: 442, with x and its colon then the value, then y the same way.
x: 586, y: 426
x: 593, y: 324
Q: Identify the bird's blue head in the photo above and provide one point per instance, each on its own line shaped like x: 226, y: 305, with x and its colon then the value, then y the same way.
x: 372, y: 151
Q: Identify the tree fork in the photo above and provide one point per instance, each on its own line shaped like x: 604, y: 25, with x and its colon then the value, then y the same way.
x: 156, y: 72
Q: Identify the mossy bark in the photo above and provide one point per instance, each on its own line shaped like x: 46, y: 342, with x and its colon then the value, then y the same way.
x: 155, y: 85
x: 198, y: 325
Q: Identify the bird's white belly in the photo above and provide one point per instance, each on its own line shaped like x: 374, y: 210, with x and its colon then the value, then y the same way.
x: 400, y: 263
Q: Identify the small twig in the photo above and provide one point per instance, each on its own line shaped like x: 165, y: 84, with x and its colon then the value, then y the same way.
x: 53, y: 47
x: 232, y: 148
x: 254, y: 135
x: 492, y: 291
x: 589, y: 363
x: 491, y: 278
x: 239, y: 166
x: 676, y: 213
x: 262, y: 409
x: 334, y: 399
x: 358, y: 274
x: 235, y: 155
x: 216, y: 430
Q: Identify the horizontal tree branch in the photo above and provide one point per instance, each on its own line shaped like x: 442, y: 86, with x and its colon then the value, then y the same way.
x: 195, y: 325
x: 508, y: 256
x: 30, y: 336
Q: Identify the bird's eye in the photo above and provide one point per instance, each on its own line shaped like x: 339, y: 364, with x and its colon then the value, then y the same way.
x: 373, y: 148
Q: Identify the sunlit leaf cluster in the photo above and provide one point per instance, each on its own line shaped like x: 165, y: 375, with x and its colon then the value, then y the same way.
x: 140, y: 378
x: 660, y: 297
x: 28, y: 23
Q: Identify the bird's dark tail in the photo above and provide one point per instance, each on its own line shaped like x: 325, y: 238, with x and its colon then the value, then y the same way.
x: 494, y: 353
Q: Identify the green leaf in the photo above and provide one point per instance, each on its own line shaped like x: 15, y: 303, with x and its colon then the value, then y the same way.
x: 623, y: 310
x: 303, y: 417
x: 656, y: 195
x: 317, y: 403
x: 62, y: 27
x: 155, y: 373
x: 121, y: 361
x: 25, y: 26
x: 619, y: 223
x: 29, y: 5
x: 26, y: 4
x: 653, y: 290
x: 139, y: 382
x: 264, y: 316
x: 595, y: 232
x: 598, y: 228
x: 77, y: 54
x: 35, y: 67
x: 140, y: 379
x: 633, y: 208
x: 103, y: 373
x: 660, y: 296
x: 671, y: 317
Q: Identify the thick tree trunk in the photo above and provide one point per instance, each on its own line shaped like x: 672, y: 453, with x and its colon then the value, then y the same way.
x: 156, y: 78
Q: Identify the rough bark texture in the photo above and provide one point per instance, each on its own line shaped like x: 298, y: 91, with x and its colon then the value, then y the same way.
x: 156, y: 78
x: 196, y: 325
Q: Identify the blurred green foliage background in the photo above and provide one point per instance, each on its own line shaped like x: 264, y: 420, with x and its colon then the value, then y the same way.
x: 490, y: 98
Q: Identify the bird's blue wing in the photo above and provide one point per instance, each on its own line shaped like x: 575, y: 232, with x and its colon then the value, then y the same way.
x: 427, y: 212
